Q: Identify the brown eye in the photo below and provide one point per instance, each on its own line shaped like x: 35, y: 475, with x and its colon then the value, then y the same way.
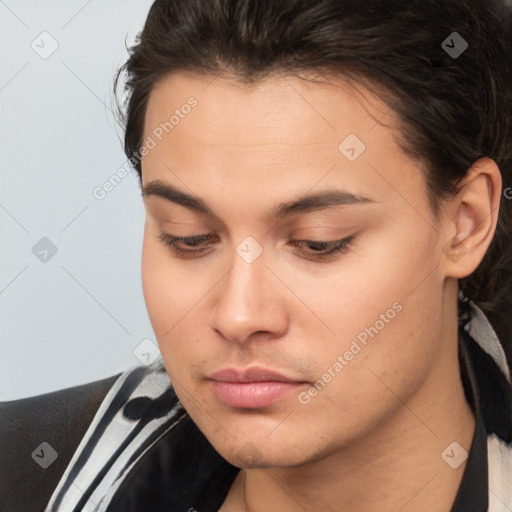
x: 328, y: 249
x: 318, y: 250
x: 193, y: 241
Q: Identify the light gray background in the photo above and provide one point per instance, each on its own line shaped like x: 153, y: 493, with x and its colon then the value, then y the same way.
x: 80, y: 315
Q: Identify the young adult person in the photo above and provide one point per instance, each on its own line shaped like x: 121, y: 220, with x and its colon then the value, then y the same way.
x: 327, y: 239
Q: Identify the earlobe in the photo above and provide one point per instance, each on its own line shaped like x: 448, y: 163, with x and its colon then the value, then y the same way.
x: 454, y: 250
x: 472, y: 228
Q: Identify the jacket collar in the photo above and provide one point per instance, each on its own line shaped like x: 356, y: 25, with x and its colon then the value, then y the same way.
x: 487, y: 481
x: 482, y: 332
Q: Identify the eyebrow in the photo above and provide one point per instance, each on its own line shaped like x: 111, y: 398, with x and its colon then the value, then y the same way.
x: 304, y: 204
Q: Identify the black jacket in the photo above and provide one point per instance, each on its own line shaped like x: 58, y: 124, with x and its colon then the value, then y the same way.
x: 60, y: 419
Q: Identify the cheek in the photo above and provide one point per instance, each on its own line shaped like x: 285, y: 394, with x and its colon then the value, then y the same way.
x: 159, y: 285
x: 382, y: 315
x: 153, y: 286
x: 171, y: 298
x: 348, y: 298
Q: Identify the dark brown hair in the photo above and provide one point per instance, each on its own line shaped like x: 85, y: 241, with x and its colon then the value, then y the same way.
x: 453, y: 109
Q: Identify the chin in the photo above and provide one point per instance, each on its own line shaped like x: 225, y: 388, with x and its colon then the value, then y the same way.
x: 250, y: 457
x: 260, y: 451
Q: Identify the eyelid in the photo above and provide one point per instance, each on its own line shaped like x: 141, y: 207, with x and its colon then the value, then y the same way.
x: 332, y: 247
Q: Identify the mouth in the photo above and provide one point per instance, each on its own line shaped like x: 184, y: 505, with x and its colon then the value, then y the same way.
x: 252, y: 388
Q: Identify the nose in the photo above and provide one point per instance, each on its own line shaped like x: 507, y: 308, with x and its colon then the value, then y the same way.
x: 249, y: 302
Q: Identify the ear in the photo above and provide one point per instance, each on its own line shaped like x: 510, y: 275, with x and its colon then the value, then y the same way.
x: 473, y: 216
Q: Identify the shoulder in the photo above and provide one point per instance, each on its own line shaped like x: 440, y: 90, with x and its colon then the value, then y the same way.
x: 116, y: 442
x: 38, y: 436
x: 140, y: 440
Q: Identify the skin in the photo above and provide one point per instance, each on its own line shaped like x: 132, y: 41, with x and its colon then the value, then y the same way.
x: 372, y: 438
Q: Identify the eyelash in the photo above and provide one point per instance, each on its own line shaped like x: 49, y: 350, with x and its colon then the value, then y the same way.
x: 336, y: 246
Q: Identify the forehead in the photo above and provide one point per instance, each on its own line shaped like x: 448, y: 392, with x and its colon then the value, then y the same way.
x: 280, y: 133
x: 277, y: 110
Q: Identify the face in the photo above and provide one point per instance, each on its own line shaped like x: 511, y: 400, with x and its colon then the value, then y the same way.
x: 336, y: 294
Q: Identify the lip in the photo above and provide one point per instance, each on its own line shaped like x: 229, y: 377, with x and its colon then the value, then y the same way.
x: 252, y: 388
x: 252, y: 374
